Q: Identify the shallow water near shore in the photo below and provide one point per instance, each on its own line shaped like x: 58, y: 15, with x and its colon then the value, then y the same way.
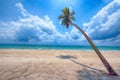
x: 56, y: 47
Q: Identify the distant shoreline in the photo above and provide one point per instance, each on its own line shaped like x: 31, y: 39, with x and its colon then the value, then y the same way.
x: 57, y: 47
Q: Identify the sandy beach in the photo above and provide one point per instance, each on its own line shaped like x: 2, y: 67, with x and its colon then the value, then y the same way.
x: 16, y: 64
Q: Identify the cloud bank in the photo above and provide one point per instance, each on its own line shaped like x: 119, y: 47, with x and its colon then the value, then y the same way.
x: 105, y: 25
x: 33, y: 29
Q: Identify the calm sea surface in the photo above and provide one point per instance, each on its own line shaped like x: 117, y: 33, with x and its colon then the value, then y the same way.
x: 55, y: 47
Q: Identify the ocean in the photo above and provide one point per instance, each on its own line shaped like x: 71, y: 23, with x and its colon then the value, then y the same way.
x: 56, y: 47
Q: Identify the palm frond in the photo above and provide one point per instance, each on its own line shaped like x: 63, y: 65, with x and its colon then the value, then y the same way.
x: 64, y: 21
x: 72, y: 13
x: 72, y: 18
x: 61, y: 16
x: 66, y: 17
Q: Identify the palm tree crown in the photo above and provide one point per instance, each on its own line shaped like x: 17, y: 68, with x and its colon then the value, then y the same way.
x: 66, y: 17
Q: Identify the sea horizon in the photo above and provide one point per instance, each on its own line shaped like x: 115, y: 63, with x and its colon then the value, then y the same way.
x: 57, y: 47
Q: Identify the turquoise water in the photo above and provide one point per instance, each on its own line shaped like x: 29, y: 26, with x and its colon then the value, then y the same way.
x: 55, y: 47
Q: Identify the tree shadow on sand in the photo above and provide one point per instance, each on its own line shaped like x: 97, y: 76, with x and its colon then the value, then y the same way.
x: 87, y: 73
x: 72, y: 58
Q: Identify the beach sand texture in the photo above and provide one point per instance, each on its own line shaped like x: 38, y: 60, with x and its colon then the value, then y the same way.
x: 56, y: 65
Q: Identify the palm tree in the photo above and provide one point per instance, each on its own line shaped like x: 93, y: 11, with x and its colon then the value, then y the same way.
x: 67, y: 18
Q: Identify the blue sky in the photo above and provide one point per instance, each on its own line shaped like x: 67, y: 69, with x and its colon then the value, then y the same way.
x: 36, y: 22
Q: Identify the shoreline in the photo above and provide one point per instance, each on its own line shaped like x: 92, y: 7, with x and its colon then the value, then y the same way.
x: 62, y: 50
x: 58, y: 47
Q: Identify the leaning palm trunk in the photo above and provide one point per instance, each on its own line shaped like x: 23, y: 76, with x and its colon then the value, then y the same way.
x: 102, y: 58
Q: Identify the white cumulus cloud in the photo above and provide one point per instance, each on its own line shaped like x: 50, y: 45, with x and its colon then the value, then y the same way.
x: 33, y: 29
x: 106, y: 23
